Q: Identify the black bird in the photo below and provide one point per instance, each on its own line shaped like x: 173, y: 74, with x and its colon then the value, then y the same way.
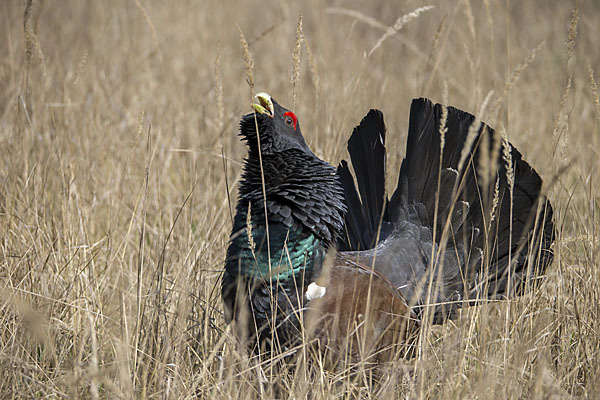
x: 313, y: 254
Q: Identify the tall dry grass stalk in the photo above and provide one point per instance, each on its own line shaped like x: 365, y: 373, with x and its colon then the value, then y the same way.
x: 561, y: 121
x: 399, y: 24
x: 357, y: 15
x: 433, y: 54
x: 296, y: 59
x: 148, y: 21
x: 594, y: 88
x: 32, y: 42
x: 470, y: 19
x: 249, y: 231
x: 487, y: 158
x: 514, y: 77
x: 510, y: 180
x: 219, y: 91
x: 248, y: 60
x: 490, y: 26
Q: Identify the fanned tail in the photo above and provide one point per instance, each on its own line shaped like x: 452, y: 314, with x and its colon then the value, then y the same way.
x: 488, y: 223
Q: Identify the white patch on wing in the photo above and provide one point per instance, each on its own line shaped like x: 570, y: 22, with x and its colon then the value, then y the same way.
x: 315, y: 291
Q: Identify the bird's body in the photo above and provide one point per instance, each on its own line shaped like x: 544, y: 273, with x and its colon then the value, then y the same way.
x: 322, y: 257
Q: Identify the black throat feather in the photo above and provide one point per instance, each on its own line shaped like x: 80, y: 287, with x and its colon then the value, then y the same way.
x: 300, y: 188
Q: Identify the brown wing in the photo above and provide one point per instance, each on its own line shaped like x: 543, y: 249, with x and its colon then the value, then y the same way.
x: 360, y: 314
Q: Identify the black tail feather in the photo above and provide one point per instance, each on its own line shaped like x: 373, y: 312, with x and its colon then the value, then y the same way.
x: 458, y: 205
x: 515, y: 232
x: 367, y: 153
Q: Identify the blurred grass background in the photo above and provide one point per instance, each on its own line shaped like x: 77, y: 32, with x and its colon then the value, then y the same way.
x: 119, y: 149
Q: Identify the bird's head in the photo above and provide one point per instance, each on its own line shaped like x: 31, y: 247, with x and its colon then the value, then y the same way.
x: 279, y: 128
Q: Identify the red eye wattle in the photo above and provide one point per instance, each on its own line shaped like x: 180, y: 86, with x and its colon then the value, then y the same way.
x: 290, y: 119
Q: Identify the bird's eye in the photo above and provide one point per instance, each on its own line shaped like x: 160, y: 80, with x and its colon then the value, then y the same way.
x: 290, y: 119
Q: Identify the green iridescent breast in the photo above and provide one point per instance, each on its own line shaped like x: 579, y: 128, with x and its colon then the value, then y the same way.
x: 290, y: 251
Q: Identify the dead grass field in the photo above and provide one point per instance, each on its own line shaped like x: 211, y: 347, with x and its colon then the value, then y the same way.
x: 118, y: 146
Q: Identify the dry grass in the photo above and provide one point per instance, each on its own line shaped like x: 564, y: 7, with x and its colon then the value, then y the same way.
x: 119, y: 155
